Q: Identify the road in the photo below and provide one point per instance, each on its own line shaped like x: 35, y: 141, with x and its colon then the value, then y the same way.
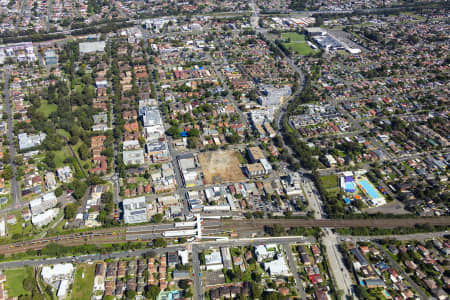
x: 198, y: 290
x: 341, y: 275
x: 294, y: 270
x: 399, y: 269
x: 85, y: 258
x: 15, y: 191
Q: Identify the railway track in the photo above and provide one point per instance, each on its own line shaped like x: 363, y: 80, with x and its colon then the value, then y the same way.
x: 119, y: 235
x: 336, y: 223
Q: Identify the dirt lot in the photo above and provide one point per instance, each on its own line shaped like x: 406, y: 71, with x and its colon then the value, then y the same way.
x: 221, y: 166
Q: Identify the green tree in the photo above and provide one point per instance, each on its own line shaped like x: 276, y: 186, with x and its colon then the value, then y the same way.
x: 58, y: 192
x: 157, y: 218
x: 70, y: 211
x: 130, y: 294
x: 152, y: 292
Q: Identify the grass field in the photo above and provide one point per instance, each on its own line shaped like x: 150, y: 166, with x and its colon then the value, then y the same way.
x: 46, y: 108
x: 82, y: 286
x: 63, y: 133
x: 61, y: 155
x: 297, y: 43
x: 14, y: 280
x: 329, y: 181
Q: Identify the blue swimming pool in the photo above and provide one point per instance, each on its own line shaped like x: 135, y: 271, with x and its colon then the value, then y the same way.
x: 369, y: 189
x: 350, y: 187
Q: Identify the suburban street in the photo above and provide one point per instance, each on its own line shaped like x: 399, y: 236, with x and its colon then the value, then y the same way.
x: 15, y: 192
x: 294, y: 270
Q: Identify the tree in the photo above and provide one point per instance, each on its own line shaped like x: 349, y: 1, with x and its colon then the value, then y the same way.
x: 58, y: 192
x: 152, y: 292
x: 183, y: 284
x: 84, y: 152
x: 174, y: 131
x: 159, y: 243
x: 192, y: 142
x: 130, y: 294
x: 194, y: 132
x: 70, y: 211
x: 28, y: 284
x: 157, y: 218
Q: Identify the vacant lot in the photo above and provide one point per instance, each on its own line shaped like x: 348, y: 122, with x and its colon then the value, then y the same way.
x: 14, y: 281
x: 329, y: 181
x: 221, y: 166
x: 297, y: 43
x: 84, y: 281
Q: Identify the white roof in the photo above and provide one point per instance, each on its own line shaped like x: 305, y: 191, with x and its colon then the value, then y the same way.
x: 184, y: 255
x: 213, y: 258
x: 63, y: 288
x: 50, y: 272
x: 261, y: 250
x: 277, y: 267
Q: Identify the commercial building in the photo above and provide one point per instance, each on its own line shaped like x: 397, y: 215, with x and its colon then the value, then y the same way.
x: 43, y: 203
x: 133, y: 157
x: 50, y: 58
x: 135, y: 210
x: 255, y: 154
x: 44, y: 218
x: 213, y: 261
x: 52, y: 274
x: 92, y: 47
x: 277, y: 267
x: 29, y: 141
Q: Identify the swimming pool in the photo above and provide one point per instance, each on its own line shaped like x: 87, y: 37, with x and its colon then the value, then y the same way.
x: 350, y: 187
x: 369, y: 189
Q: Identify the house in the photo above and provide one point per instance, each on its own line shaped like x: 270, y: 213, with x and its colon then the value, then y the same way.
x: 359, y: 257
x: 374, y: 283
x: 99, y: 279
x: 177, y: 275
x: 50, y: 181
x: 64, y: 174
x: 172, y: 259
x: 321, y: 295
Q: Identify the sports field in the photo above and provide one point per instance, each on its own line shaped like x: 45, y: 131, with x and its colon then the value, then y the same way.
x: 297, y: 43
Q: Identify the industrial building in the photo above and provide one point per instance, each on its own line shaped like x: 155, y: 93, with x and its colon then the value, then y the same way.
x: 135, y: 210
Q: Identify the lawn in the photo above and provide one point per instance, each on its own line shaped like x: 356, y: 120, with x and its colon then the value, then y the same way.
x: 46, y: 108
x: 63, y: 133
x: 297, y: 43
x: 82, y: 285
x: 295, y: 37
x: 14, y: 280
x: 329, y: 181
x: 61, y: 155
